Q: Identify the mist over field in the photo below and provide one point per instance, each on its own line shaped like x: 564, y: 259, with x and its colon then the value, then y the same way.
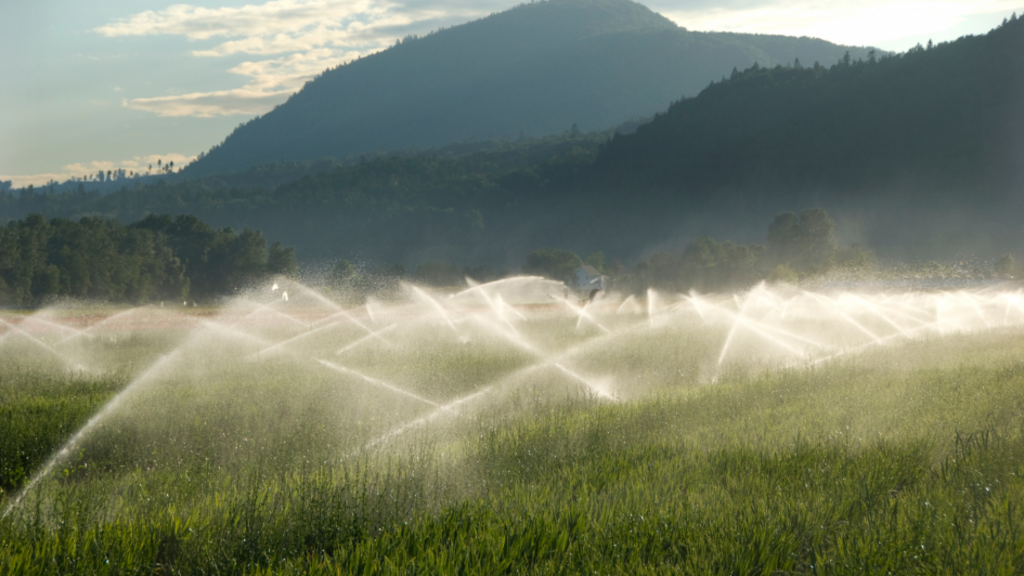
x: 569, y: 288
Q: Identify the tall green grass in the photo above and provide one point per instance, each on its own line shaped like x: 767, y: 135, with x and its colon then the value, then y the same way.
x: 899, y: 460
x: 40, y: 408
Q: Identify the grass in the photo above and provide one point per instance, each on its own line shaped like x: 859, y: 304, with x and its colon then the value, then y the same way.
x: 899, y: 460
x: 39, y: 410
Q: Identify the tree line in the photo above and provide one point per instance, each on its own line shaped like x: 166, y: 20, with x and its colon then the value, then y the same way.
x: 380, y: 208
x: 154, y: 259
x: 797, y: 246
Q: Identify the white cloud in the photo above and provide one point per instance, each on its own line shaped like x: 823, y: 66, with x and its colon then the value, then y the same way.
x: 311, y: 36
x: 89, y: 169
x: 178, y: 159
x: 292, y: 70
x: 210, y: 104
x: 275, y: 27
x: 20, y: 181
x: 270, y: 83
x: 870, y: 22
x: 268, y: 19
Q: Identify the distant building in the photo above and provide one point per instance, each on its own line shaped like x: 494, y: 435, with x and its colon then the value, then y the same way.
x: 589, y: 279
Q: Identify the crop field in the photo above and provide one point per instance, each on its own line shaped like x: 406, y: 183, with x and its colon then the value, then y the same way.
x: 513, y: 428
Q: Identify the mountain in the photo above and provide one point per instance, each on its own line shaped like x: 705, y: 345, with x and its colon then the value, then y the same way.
x: 918, y: 155
x: 534, y: 70
x: 950, y: 111
x: 926, y: 146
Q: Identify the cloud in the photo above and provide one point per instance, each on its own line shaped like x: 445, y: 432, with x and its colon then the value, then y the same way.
x: 870, y: 22
x: 275, y: 27
x: 308, y: 36
x: 268, y: 19
x: 89, y: 169
x: 270, y: 83
x: 292, y: 70
x: 210, y: 104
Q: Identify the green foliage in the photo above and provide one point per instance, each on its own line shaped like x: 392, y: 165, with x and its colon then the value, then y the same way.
x: 91, y: 258
x: 157, y: 258
x: 596, y: 259
x: 281, y: 260
x: 707, y: 265
x: 807, y: 243
x: 560, y: 265
x: 855, y: 257
x: 796, y: 246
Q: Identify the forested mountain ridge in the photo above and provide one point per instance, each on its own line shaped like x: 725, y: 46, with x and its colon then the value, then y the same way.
x: 392, y: 208
x: 917, y: 155
x: 923, y: 151
x: 535, y: 69
x: 952, y: 112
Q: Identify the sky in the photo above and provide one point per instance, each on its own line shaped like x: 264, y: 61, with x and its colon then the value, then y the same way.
x: 111, y: 84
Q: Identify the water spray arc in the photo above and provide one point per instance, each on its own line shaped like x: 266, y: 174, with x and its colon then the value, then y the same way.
x: 12, y: 329
x: 69, y: 447
x: 492, y: 341
x: 381, y: 384
x: 108, y: 321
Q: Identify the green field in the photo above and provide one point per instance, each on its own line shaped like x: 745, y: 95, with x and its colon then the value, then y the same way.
x: 502, y: 431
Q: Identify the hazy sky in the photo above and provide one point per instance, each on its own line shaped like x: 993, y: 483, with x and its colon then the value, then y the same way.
x: 120, y: 83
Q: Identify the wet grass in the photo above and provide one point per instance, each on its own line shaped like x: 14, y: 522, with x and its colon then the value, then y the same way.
x: 905, y: 459
x: 41, y: 408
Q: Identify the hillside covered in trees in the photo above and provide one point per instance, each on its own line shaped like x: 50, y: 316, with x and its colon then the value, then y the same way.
x: 533, y: 70
x: 917, y: 155
x: 449, y: 204
x: 925, y: 144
